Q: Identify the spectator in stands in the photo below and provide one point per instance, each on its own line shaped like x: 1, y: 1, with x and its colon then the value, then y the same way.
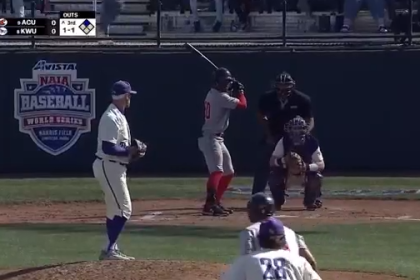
x: 18, y: 8
x: 110, y: 10
x: 219, y: 15
x: 352, y: 7
x: 242, y: 9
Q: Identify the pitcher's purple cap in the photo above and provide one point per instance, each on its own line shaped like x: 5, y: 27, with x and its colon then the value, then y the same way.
x: 121, y: 88
x: 271, y: 227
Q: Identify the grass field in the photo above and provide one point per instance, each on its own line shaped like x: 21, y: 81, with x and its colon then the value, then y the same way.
x: 86, y: 189
x: 376, y: 247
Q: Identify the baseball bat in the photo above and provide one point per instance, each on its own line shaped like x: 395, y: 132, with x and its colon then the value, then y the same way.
x: 194, y: 50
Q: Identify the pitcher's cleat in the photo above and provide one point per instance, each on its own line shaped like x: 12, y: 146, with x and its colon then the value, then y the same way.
x: 113, y: 255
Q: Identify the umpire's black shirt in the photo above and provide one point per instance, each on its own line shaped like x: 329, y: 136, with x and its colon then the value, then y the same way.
x: 278, y: 113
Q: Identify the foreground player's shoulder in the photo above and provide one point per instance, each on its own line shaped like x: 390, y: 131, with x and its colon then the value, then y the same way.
x: 245, y: 234
x: 248, y: 239
x: 255, y: 227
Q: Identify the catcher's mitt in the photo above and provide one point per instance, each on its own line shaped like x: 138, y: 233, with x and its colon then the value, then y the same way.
x: 295, y: 164
x: 138, y: 150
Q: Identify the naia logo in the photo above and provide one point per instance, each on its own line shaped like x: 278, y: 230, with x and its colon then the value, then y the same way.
x: 54, y: 106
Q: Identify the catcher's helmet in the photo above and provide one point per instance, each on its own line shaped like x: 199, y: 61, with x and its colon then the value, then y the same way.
x: 260, y: 206
x: 296, y: 129
x: 284, y: 83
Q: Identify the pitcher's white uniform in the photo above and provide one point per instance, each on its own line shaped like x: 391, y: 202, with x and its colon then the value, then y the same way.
x: 111, y: 171
x: 249, y: 240
x: 217, y: 107
x: 270, y: 264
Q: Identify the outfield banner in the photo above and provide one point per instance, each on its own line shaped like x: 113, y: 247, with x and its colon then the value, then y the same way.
x: 365, y: 107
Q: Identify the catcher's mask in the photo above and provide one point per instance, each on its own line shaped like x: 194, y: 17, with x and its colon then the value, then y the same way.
x: 297, y: 129
x: 259, y: 207
x: 284, y: 84
x: 222, y: 79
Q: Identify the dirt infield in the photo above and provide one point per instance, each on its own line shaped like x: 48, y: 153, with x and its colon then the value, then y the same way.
x: 152, y: 270
x: 187, y: 212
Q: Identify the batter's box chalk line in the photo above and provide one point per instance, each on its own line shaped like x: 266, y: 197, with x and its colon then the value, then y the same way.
x: 297, y: 191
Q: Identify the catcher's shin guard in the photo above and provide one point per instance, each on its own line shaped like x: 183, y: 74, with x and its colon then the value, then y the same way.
x: 277, y: 183
x: 313, y: 184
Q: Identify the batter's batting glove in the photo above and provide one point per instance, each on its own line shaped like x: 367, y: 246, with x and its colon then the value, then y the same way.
x: 236, y: 86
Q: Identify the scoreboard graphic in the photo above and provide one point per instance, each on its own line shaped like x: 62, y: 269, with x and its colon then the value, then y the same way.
x: 69, y: 24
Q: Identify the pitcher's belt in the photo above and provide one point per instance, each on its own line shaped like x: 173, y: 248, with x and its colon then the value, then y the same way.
x: 114, y: 161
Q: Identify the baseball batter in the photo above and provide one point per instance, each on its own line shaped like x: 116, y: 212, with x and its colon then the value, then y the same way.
x: 297, y: 140
x: 274, y: 261
x: 217, y: 107
x: 260, y: 208
x: 113, y: 154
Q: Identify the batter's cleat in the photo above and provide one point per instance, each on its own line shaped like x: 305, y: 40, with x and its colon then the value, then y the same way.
x: 318, y: 203
x: 113, y: 255
x: 214, y: 210
x: 227, y: 210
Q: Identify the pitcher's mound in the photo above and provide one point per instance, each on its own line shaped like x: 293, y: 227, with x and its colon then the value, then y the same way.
x: 151, y: 270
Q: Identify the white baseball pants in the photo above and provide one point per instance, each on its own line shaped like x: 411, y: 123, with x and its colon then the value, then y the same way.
x: 216, y: 154
x: 112, y: 177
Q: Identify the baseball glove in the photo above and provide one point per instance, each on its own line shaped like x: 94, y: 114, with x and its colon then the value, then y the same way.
x: 138, y: 150
x: 295, y: 164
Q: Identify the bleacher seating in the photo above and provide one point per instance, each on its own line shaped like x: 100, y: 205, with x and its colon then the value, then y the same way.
x: 137, y: 18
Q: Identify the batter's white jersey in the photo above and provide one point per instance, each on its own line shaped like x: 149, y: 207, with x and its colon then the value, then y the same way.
x: 113, y: 128
x: 217, y: 107
x: 249, y: 240
x: 270, y: 264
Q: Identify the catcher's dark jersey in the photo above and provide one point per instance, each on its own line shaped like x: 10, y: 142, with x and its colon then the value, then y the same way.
x: 305, y: 151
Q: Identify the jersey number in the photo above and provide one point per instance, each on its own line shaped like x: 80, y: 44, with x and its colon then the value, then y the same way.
x: 273, y: 269
x: 207, y: 110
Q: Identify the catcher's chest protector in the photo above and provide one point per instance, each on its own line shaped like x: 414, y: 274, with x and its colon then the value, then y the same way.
x: 305, y: 151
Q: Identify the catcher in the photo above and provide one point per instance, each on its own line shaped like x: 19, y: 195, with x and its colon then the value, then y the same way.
x: 297, y: 154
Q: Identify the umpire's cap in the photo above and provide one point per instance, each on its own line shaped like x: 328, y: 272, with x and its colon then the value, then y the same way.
x: 261, y: 204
